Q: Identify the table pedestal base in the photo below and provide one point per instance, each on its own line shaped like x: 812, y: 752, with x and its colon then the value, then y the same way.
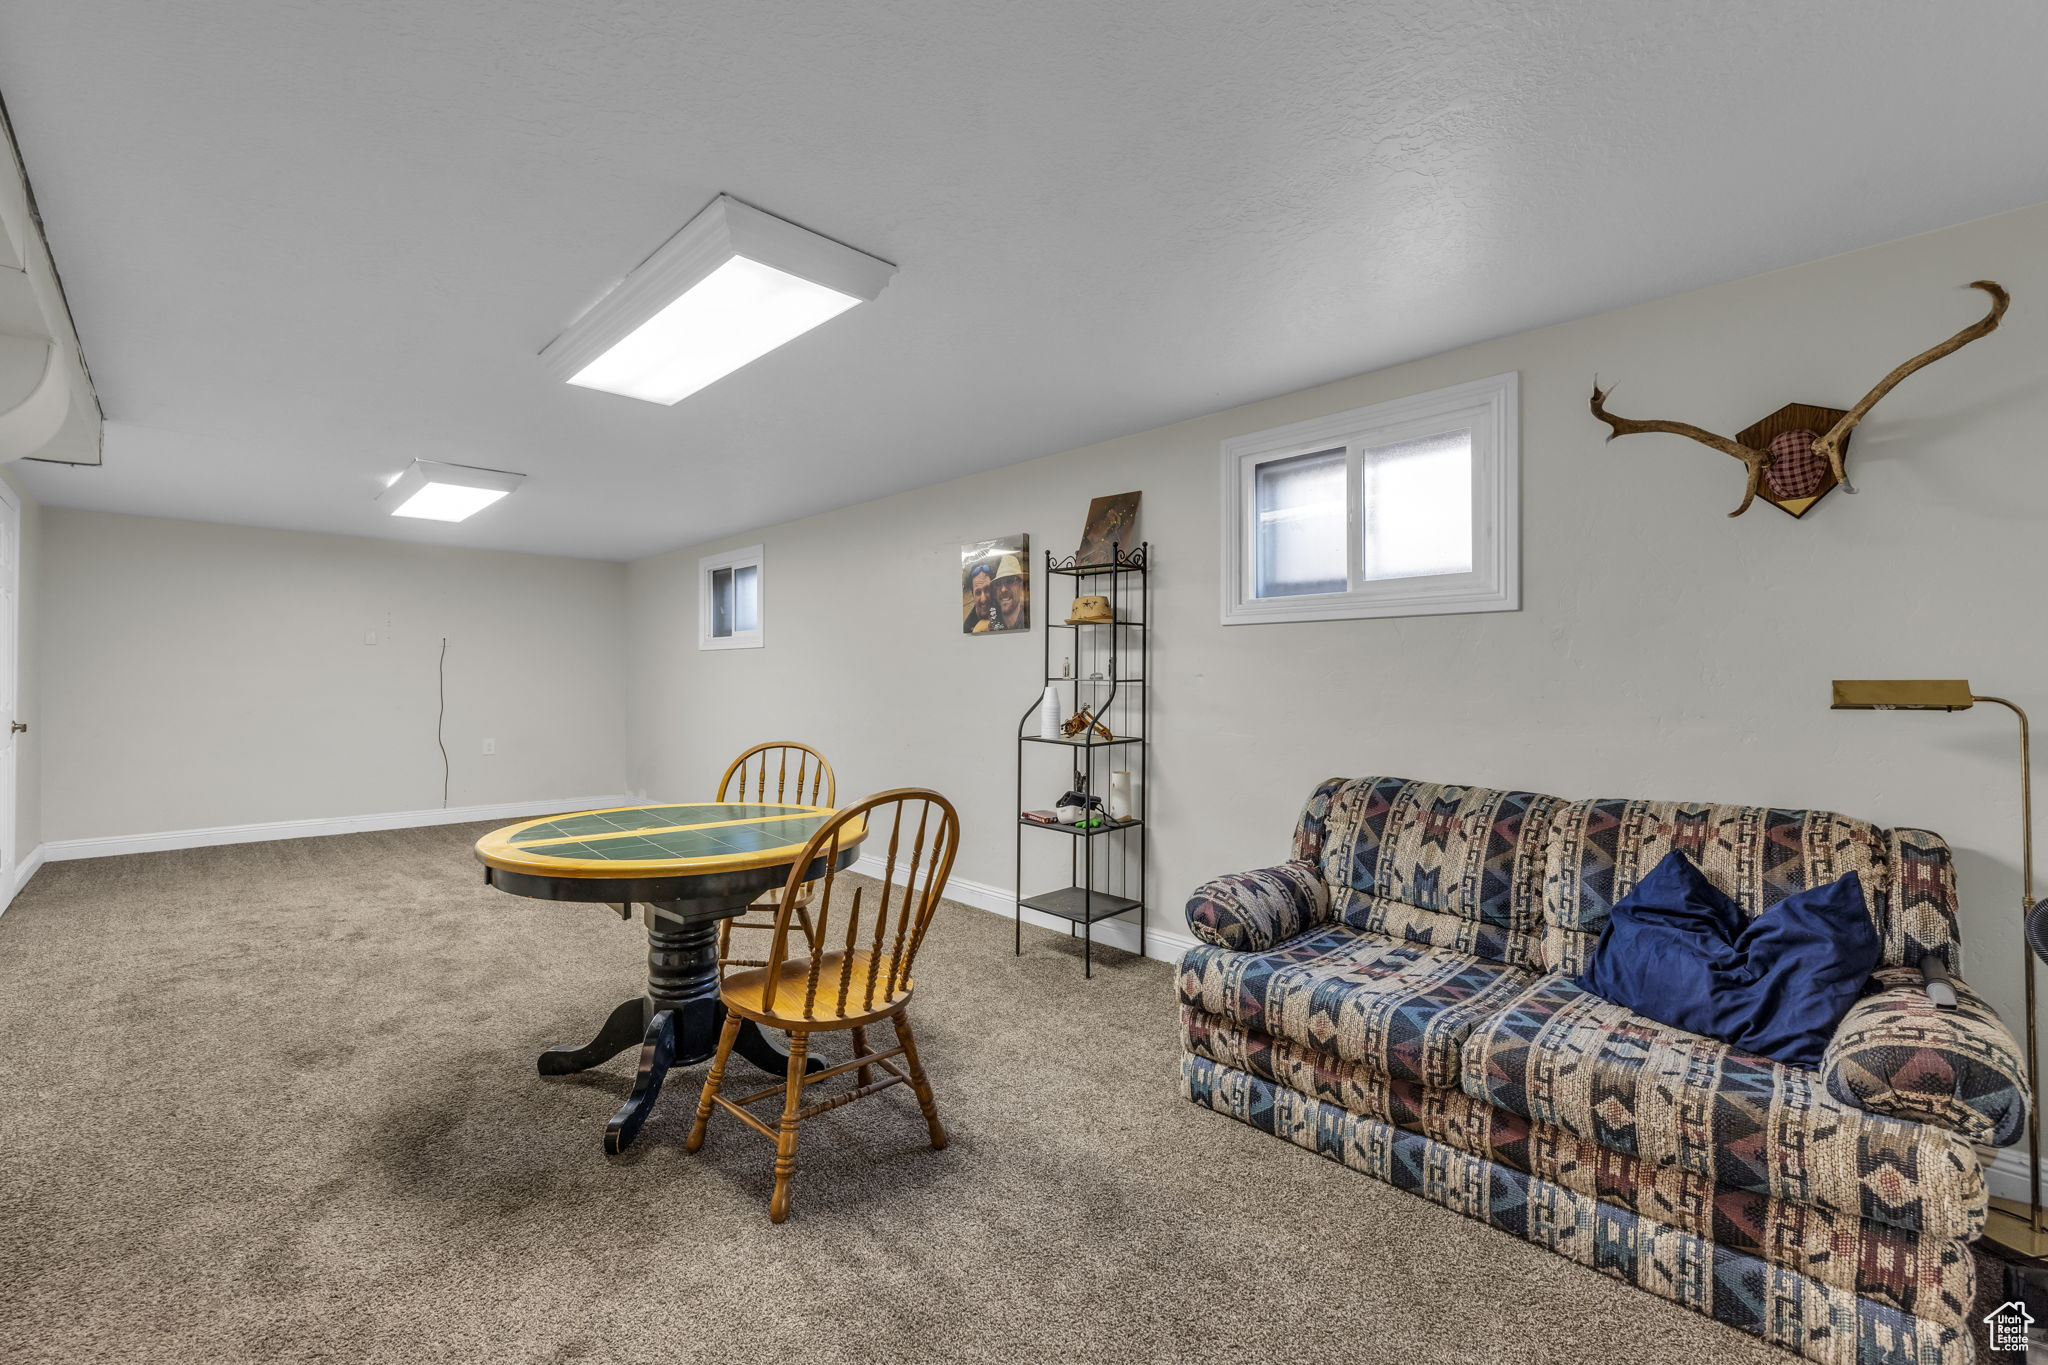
x: 676, y: 1022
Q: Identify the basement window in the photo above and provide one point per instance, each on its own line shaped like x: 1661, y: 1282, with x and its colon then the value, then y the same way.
x: 729, y: 600
x: 1404, y: 508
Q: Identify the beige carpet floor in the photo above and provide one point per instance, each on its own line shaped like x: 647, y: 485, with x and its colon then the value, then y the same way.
x: 277, y: 1102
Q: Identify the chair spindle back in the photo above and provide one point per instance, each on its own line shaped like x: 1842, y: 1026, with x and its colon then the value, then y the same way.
x: 872, y: 953
x: 780, y: 771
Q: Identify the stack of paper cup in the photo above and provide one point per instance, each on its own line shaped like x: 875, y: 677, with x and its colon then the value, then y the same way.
x: 1049, y: 716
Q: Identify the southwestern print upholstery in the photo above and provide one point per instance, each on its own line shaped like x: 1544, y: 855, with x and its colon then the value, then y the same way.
x: 1890, y: 1264
x: 1400, y: 1007
x: 1314, y: 824
x: 1824, y: 1323
x: 1756, y: 856
x: 1419, y: 1023
x: 1443, y: 1112
x: 1923, y: 902
x: 1563, y: 1056
x: 1897, y: 1054
x: 1453, y: 867
x: 1253, y: 910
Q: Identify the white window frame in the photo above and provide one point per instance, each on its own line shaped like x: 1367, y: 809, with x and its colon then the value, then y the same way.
x: 1488, y: 407
x: 732, y: 559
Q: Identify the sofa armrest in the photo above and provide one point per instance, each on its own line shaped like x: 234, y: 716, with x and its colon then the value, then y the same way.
x: 1900, y: 1054
x: 1252, y: 911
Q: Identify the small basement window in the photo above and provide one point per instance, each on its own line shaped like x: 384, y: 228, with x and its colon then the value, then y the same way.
x: 729, y: 602
x: 1404, y: 508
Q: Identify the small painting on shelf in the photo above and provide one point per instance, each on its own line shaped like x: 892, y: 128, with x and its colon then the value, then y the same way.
x: 1112, y: 522
x: 995, y: 585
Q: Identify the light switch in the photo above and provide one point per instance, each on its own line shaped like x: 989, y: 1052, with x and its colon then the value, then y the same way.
x: 369, y: 637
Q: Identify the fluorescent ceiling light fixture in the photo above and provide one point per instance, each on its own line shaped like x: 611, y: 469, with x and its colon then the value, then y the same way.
x: 445, y: 492
x: 732, y: 286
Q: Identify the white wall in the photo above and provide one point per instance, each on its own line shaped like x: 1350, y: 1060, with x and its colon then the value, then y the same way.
x: 1663, y: 650
x: 203, y: 675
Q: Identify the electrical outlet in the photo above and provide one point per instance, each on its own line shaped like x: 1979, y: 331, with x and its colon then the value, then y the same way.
x: 490, y: 746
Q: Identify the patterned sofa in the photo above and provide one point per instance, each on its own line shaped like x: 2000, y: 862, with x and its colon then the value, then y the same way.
x: 1398, y: 997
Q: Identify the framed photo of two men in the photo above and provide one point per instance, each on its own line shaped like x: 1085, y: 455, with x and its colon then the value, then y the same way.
x: 995, y: 585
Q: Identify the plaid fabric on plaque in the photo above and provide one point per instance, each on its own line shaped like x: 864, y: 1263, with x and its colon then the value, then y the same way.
x: 1796, y: 469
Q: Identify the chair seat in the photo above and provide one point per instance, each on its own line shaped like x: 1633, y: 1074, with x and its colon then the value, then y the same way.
x: 745, y: 991
x: 1401, y: 1008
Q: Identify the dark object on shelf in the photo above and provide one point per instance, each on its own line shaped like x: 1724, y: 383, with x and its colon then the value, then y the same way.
x: 1040, y: 817
x: 1112, y: 521
x: 1101, y: 851
x: 1079, y: 806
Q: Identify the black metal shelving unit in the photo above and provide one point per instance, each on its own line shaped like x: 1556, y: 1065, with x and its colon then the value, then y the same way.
x: 1105, y: 863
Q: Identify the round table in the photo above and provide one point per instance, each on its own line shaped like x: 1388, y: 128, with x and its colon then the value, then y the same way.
x: 689, y: 866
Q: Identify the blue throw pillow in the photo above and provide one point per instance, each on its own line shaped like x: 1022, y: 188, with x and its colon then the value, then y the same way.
x: 1678, y: 951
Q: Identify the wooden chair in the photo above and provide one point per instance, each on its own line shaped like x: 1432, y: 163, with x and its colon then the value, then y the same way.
x: 861, y: 981
x: 754, y: 769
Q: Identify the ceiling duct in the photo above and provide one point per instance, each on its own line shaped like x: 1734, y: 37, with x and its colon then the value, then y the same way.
x: 48, y: 410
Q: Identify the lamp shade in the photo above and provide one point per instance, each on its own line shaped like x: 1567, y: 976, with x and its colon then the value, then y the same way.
x: 1893, y: 694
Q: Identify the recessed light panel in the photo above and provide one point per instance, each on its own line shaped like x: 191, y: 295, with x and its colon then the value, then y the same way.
x: 433, y: 491
x: 732, y: 286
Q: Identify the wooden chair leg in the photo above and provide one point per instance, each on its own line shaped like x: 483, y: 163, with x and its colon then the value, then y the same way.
x: 866, y: 1074
x: 785, y: 1136
x: 918, y: 1083
x: 713, y: 1083
x: 803, y: 917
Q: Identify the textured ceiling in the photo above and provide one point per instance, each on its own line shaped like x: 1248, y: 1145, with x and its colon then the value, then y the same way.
x: 306, y: 242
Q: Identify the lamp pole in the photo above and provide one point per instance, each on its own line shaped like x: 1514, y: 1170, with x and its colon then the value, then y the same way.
x: 2034, y: 1222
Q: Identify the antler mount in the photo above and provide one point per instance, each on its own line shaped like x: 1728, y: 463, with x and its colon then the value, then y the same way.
x: 1775, y: 439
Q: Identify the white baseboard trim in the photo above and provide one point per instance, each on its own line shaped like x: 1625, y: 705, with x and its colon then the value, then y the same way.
x: 25, y: 869
x: 2005, y: 1174
x: 115, y: 845
x: 1167, y: 945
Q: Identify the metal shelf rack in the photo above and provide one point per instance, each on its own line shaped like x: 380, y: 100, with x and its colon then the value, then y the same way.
x: 1106, y: 863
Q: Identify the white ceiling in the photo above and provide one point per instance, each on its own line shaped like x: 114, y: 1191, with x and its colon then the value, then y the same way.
x: 306, y: 242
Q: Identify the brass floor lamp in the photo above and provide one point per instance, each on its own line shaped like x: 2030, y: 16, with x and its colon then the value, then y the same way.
x: 2016, y: 1226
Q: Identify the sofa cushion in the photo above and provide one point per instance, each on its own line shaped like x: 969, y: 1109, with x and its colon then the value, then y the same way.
x: 1930, y: 1275
x: 1897, y: 1054
x: 1402, y: 1008
x: 1445, y: 1112
x: 1459, y: 868
x: 1250, y: 911
x: 1562, y: 1056
x: 1751, y: 1293
x: 1757, y: 857
x: 1679, y: 951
